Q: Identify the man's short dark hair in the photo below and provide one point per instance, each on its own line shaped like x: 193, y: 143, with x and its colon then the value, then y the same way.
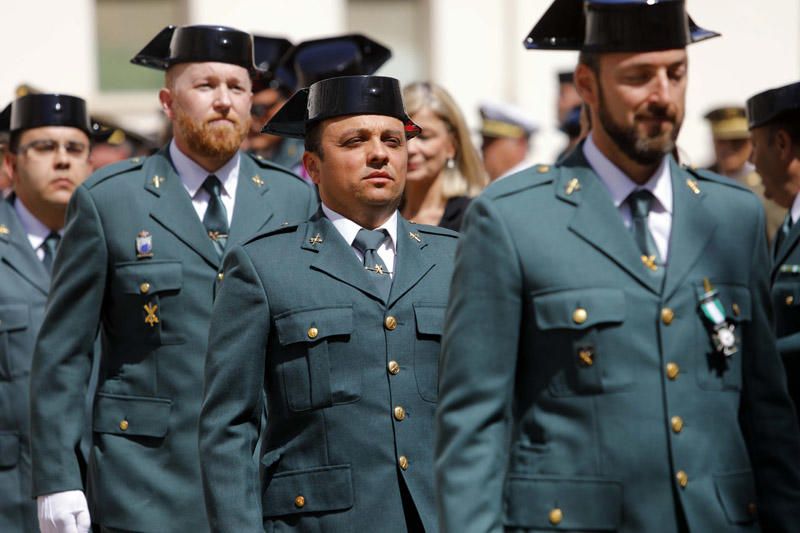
x: 313, y: 139
x: 591, y: 60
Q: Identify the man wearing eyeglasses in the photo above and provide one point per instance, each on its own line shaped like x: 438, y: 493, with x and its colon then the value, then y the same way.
x: 139, y: 263
x: 46, y: 158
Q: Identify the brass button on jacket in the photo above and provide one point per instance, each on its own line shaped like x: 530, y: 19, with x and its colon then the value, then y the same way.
x: 673, y: 370
x: 677, y: 424
x: 399, y: 413
x: 403, y: 462
x: 682, y: 477
x: 300, y: 502
x: 144, y: 288
x: 580, y: 315
x: 789, y: 300
x: 313, y: 332
x: 390, y: 323
x: 220, y: 276
x: 667, y: 315
x: 123, y: 425
x: 556, y: 516
x: 394, y: 368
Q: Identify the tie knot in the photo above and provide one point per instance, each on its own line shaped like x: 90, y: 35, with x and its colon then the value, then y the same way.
x: 369, y: 239
x: 52, y: 239
x: 640, y: 201
x: 212, y: 185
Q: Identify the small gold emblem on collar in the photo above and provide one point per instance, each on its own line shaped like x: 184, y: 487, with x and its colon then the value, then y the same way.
x: 4, y: 229
x: 414, y: 236
x: 315, y: 240
x: 693, y: 186
x: 157, y: 181
x: 572, y: 186
x: 258, y: 181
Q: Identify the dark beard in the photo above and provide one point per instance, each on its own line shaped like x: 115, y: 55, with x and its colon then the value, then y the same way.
x: 218, y: 142
x: 645, y: 150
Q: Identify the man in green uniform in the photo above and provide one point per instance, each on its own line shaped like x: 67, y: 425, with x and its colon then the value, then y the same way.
x: 139, y: 260
x: 47, y: 158
x: 774, y: 121
x: 608, y: 361
x: 337, y: 323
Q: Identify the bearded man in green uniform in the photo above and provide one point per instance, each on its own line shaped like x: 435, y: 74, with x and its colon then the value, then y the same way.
x: 608, y: 360
x: 139, y: 260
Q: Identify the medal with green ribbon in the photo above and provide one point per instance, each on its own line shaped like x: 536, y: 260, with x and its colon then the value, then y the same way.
x: 722, y: 331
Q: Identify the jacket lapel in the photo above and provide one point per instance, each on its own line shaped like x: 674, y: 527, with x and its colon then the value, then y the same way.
x: 252, y: 209
x: 334, y: 257
x: 411, y: 264
x: 691, y: 227
x: 173, y: 208
x: 16, y: 250
x: 597, y: 220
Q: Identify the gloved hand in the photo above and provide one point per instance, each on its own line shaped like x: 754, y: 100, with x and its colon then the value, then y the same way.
x: 64, y: 512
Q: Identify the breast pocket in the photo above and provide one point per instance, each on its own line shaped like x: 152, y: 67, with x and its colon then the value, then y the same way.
x: 150, y: 295
x: 715, y: 371
x: 15, y: 346
x: 578, y: 338
x: 427, y: 346
x: 316, y: 363
x: 786, y: 302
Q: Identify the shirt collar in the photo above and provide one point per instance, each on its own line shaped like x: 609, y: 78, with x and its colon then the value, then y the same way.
x: 193, y: 175
x: 620, y: 185
x: 37, y: 232
x: 795, y: 210
x: 349, y: 229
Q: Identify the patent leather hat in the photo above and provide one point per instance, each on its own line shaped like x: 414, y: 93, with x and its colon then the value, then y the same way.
x: 335, y: 97
x: 270, y: 57
x: 37, y: 110
x: 344, y: 55
x: 616, y: 26
x: 769, y: 105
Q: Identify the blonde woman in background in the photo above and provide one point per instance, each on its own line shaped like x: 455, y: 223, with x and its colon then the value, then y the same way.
x: 444, y: 169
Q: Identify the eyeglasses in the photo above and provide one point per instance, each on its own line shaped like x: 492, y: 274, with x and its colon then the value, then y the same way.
x: 45, y: 147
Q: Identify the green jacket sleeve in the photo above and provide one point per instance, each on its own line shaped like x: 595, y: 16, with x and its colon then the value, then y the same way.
x: 479, y: 354
x: 62, y: 359
x: 233, y: 398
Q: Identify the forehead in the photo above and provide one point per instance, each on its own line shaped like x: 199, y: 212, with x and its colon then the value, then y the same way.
x: 54, y: 132
x: 190, y: 71
x: 372, y: 123
x: 659, y: 58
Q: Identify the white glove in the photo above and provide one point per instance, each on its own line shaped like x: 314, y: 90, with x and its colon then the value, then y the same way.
x: 64, y: 512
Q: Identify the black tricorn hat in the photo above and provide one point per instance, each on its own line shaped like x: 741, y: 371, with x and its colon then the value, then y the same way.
x: 37, y: 110
x: 190, y: 44
x: 344, y: 55
x: 769, y: 105
x: 615, y: 26
x: 270, y: 53
x: 336, y: 97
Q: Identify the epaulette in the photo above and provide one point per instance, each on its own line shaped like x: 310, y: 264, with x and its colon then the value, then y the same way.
x: 434, y: 230
x: 266, y: 163
x: 705, y: 174
x: 120, y: 167
x: 524, y: 179
x: 287, y: 228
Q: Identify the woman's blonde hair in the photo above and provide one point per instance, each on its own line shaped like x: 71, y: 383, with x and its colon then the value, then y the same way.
x: 468, y: 177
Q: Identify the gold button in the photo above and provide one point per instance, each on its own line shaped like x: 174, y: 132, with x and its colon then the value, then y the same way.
x: 752, y: 509
x: 399, y: 412
x: 394, y: 368
x: 677, y: 424
x: 123, y: 425
x: 736, y: 310
x: 667, y: 315
x: 220, y: 276
x: 403, y: 462
x: 144, y: 288
x: 390, y: 323
x: 580, y: 315
x: 313, y: 332
x: 556, y: 516
x: 299, y: 502
x: 673, y: 370
x: 789, y: 300
x: 682, y: 478
x: 586, y: 356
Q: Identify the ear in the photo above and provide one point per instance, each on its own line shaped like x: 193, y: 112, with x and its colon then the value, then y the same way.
x: 10, y: 167
x: 165, y: 98
x: 783, y: 142
x: 586, y: 84
x: 311, y: 163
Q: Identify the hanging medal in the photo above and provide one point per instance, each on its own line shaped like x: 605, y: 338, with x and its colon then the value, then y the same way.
x: 722, y: 332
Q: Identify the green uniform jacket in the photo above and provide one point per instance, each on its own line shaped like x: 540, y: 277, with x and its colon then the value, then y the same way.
x: 298, y: 320
x: 576, y: 394
x: 24, y: 283
x: 786, y: 303
x: 144, y: 472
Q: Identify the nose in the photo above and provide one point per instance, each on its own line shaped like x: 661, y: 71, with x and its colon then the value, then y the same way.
x: 378, y: 155
x: 660, y: 87
x: 62, y: 160
x: 222, y: 99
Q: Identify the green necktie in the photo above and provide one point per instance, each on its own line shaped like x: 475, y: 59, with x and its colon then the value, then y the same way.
x: 640, y: 202
x: 783, y: 232
x: 367, y: 242
x: 49, y: 246
x: 216, y: 217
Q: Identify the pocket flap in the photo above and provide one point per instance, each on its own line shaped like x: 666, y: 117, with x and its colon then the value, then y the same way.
x: 145, y: 277
x: 313, y: 324
x: 9, y: 449
x: 430, y: 318
x: 544, y: 502
x: 327, y: 488
x: 556, y: 310
x: 737, y: 494
x: 14, y: 317
x: 131, y: 415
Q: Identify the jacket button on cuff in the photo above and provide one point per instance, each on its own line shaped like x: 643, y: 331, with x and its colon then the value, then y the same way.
x: 580, y: 315
x: 556, y: 516
x: 299, y: 502
x: 399, y: 413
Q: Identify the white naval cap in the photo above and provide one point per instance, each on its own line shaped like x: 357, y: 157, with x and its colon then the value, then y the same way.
x: 505, y: 120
